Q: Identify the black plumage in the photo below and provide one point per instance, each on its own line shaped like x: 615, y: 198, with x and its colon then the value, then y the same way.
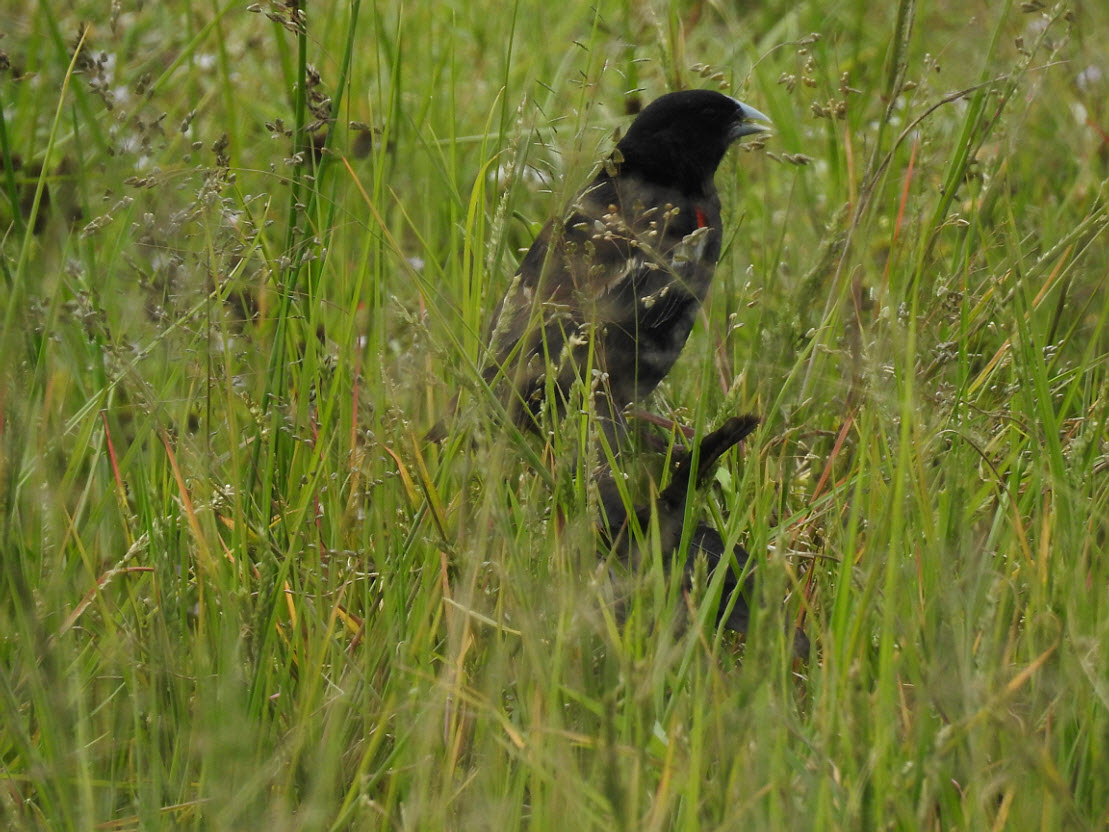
x: 613, y: 286
x: 705, y: 541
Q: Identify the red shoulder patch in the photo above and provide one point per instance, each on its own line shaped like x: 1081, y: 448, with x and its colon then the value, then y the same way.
x: 702, y: 220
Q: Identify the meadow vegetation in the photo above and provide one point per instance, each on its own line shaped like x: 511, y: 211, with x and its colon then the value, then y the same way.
x: 248, y: 254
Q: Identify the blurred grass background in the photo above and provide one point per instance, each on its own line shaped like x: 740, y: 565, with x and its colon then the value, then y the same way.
x: 248, y: 254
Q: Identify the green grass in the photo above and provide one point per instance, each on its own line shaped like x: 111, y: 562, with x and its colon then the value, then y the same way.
x: 239, y: 592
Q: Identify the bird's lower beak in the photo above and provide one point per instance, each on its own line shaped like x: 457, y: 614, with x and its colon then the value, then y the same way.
x: 748, y: 124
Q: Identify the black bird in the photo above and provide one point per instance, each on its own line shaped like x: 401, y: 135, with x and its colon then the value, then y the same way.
x: 705, y: 541
x: 613, y: 286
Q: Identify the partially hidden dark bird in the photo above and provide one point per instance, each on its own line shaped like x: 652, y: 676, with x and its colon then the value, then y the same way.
x: 705, y: 541
x: 608, y: 293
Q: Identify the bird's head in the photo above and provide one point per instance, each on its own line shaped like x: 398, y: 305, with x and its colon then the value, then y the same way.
x: 680, y: 138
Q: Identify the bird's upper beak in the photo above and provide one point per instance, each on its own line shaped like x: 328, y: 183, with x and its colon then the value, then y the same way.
x: 747, y: 122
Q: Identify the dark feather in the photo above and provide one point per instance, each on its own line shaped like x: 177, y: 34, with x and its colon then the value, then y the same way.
x: 608, y: 294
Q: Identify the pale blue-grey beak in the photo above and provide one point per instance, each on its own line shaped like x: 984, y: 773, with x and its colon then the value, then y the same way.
x: 747, y: 124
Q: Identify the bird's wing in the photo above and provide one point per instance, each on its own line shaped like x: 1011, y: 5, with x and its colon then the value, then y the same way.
x: 598, y: 266
x: 573, y: 264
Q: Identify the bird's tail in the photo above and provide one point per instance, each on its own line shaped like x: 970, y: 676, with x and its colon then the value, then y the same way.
x: 711, y: 448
